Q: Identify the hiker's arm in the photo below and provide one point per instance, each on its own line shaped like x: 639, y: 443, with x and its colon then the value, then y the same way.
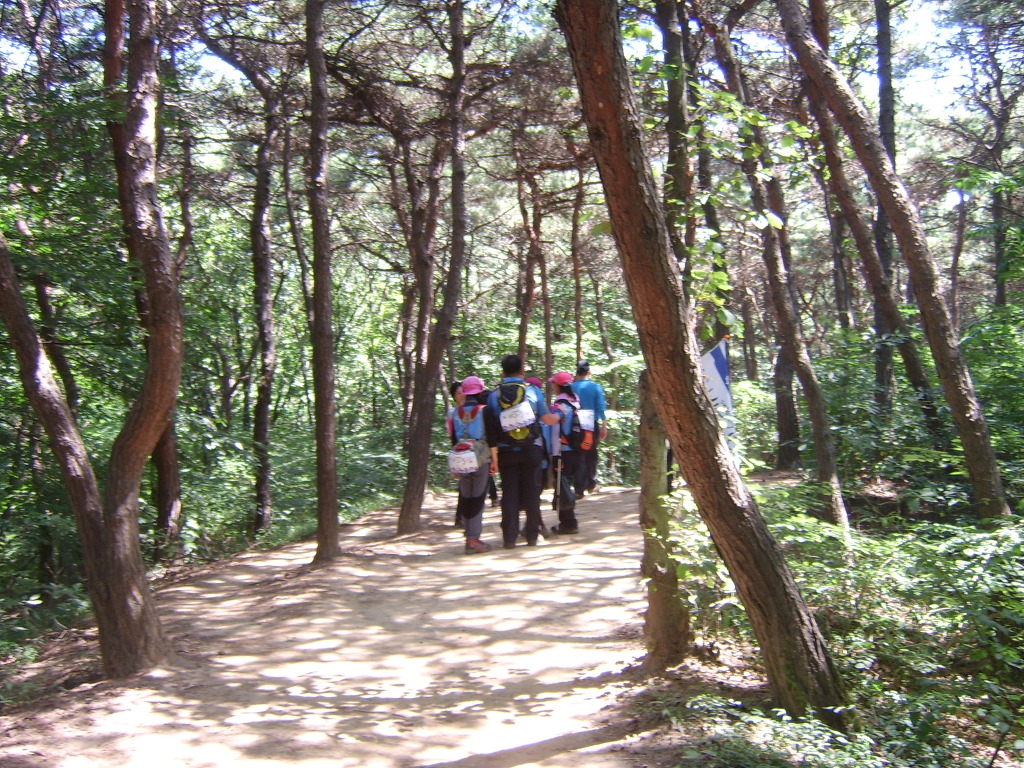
x: 492, y: 428
x: 494, y: 460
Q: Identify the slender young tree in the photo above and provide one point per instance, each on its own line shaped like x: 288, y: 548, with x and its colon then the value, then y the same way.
x: 327, y: 546
x: 884, y: 381
x: 262, y: 268
x: 799, y: 668
x: 958, y: 388
x: 439, y: 336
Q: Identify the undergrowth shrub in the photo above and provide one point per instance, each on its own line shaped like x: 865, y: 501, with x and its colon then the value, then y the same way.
x: 925, y: 623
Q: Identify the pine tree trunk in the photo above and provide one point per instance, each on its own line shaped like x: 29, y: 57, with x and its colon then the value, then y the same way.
x: 980, y: 459
x: 787, y: 418
x: 877, y: 277
x: 134, y: 639
x: 263, y: 303
x: 799, y: 669
x: 327, y: 546
x: 884, y: 382
x: 167, y: 497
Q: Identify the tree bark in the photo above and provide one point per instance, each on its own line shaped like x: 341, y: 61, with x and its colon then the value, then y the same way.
x: 575, y: 246
x: 667, y: 619
x: 884, y: 382
x: 954, y: 263
x: 327, y: 546
x: 130, y: 635
x: 749, y: 336
x: 787, y: 419
x: 167, y: 497
x: 54, y: 349
x: 799, y: 669
x: 679, y: 175
x: 54, y: 413
x: 980, y: 459
x: 263, y: 301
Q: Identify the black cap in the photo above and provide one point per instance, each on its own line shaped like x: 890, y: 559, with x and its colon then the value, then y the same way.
x: 582, y: 367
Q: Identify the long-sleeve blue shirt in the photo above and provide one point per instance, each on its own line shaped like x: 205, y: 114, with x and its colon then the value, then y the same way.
x: 591, y: 397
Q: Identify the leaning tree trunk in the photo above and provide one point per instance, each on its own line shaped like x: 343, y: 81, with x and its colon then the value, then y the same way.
x: 667, y: 619
x: 54, y: 412
x: 958, y: 388
x: 767, y: 199
x: 873, y: 265
x: 327, y: 547
x: 799, y: 668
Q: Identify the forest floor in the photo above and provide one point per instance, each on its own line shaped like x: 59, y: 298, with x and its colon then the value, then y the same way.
x: 403, y: 653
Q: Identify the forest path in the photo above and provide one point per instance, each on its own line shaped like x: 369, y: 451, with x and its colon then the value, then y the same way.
x: 405, y: 653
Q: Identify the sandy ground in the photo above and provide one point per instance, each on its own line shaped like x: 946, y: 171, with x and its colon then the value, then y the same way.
x: 404, y: 653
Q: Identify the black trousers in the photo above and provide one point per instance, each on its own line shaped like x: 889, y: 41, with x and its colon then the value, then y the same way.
x: 587, y: 477
x: 520, y: 490
x: 573, y: 466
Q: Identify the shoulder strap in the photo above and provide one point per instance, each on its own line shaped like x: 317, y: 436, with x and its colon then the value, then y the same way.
x: 460, y: 411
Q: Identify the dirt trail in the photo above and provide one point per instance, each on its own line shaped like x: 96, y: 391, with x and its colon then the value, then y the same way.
x: 406, y: 653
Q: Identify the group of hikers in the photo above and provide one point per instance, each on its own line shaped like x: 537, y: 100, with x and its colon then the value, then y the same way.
x: 511, y: 431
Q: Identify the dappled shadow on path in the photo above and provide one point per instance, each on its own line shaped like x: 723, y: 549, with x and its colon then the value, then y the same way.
x: 405, y: 652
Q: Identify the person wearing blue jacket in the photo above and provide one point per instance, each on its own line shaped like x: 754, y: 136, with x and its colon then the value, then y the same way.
x: 513, y: 417
x: 466, y: 421
x: 566, y: 452
x: 592, y: 415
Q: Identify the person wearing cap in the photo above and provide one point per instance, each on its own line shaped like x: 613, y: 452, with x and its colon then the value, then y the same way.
x: 519, y: 465
x: 592, y: 408
x: 466, y: 420
x: 565, y: 405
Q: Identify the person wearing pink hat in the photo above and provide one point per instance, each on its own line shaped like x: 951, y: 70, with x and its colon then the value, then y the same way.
x: 466, y: 422
x: 565, y: 449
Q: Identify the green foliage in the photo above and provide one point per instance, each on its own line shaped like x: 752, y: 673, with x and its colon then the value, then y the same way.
x: 756, y: 431
x: 994, y: 349
x: 723, y: 733
x: 715, y: 610
x: 926, y: 624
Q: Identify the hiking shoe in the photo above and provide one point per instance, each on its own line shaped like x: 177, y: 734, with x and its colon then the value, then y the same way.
x: 559, y: 530
x: 473, y: 546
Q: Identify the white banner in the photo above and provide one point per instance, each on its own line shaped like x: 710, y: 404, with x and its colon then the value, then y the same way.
x: 715, y: 364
